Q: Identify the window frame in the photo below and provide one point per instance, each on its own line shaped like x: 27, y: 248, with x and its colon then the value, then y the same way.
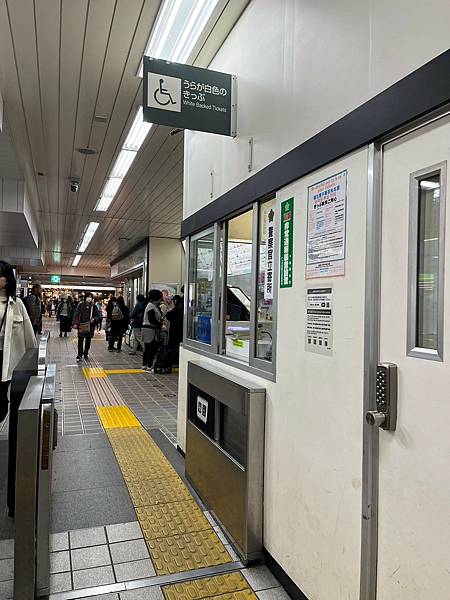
x: 189, y: 257
x: 412, y: 349
x: 216, y: 349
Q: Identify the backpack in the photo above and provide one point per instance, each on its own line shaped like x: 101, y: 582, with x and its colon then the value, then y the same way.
x: 116, y: 314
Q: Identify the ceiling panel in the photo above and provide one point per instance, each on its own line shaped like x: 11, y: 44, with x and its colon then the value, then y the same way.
x: 62, y: 62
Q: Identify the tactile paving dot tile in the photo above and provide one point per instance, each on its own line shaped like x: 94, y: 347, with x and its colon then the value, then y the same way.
x: 175, y: 518
x: 117, y: 417
x: 187, y: 552
x: 220, y: 586
x: 157, y: 491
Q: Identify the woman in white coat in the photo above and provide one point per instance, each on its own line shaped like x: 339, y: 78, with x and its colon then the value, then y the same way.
x: 16, y: 332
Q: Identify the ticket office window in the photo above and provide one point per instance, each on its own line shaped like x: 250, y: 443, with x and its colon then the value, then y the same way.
x: 232, y: 288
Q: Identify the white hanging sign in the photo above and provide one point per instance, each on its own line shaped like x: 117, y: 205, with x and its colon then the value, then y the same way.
x: 269, y: 231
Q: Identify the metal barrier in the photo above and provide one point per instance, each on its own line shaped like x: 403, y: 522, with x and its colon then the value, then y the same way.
x: 32, y: 363
x: 35, y: 444
x: 225, y: 453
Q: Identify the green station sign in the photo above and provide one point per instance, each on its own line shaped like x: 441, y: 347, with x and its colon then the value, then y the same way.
x: 55, y: 279
x: 189, y: 97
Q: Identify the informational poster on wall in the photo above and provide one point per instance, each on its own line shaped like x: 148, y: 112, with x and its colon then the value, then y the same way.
x: 327, y: 215
x: 319, y: 320
x: 269, y: 244
x: 287, y: 243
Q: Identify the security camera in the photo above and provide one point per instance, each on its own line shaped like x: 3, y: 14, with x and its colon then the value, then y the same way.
x: 74, y: 185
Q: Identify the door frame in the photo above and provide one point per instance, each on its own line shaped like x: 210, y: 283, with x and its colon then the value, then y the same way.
x: 372, y: 307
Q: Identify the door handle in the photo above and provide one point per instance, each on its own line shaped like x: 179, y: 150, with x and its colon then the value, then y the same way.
x: 385, y: 415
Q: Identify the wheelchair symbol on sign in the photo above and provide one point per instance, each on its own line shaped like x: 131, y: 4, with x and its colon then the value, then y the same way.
x: 163, y: 96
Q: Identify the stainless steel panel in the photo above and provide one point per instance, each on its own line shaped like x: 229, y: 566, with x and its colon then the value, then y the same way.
x: 231, y: 485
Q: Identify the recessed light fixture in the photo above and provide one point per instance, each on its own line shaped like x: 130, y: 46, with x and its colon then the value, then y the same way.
x: 134, y: 140
x: 86, y: 150
x: 87, y: 236
x: 177, y: 29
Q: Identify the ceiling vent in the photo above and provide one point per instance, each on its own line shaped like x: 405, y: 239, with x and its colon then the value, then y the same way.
x: 87, y: 151
x: 101, y: 118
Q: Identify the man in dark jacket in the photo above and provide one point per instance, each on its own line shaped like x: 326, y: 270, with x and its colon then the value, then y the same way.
x: 86, y: 313
x: 137, y: 316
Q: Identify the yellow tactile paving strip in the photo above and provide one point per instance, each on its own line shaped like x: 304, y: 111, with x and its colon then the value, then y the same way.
x: 177, y: 533
x: 117, y: 416
x: 123, y: 371
x: 91, y: 372
x: 95, y: 372
x: 231, y: 586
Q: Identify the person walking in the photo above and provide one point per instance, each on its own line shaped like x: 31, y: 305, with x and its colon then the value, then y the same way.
x: 151, y: 328
x: 137, y: 316
x: 63, y: 315
x: 119, y: 317
x: 16, y: 332
x: 99, y: 305
x: 85, y: 320
x: 34, y: 305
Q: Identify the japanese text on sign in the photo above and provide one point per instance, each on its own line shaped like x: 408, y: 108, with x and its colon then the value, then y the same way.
x: 287, y: 242
x: 325, y: 245
x: 269, y: 230
x: 319, y: 320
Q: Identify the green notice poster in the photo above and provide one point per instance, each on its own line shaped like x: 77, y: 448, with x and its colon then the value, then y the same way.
x: 287, y: 242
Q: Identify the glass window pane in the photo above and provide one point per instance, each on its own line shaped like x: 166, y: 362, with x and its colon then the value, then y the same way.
x: 201, y: 279
x: 238, y: 287
x: 428, y: 263
x: 266, y: 281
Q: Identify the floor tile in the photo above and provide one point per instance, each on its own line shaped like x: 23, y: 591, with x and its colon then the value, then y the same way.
x: 153, y: 593
x: 6, y: 589
x: 93, y: 556
x: 82, y: 538
x: 129, y: 551
x: 59, y: 541
x: 260, y: 578
x: 60, y: 582
x: 123, y: 532
x: 92, y: 577
x: 6, y: 549
x: 6, y: 569
x: 59, y: 562
x: 138, y: 569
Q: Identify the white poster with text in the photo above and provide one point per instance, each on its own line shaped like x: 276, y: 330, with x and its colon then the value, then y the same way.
x: 327, y: 217
x: 319, y: 321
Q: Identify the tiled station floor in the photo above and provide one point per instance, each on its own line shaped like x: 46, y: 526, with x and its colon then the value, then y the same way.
x: 121, y: 505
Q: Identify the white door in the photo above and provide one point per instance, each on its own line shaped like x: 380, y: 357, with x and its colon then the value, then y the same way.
x: 414, y: 494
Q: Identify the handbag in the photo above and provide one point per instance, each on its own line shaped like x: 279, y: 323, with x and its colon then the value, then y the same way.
x: 85, y: 327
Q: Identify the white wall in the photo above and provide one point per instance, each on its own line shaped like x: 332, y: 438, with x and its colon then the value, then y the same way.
x: 314, y: 415
x: 166, y: 261
x: 301, y: 65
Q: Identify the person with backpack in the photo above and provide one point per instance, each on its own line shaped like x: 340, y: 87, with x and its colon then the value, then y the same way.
x: 85, y: 319
x: 34, y: 305
x: 137, y: 316
x: 119, y: 317
x: 151, y: 329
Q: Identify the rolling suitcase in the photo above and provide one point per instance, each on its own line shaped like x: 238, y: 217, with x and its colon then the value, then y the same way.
x: 163, y: 361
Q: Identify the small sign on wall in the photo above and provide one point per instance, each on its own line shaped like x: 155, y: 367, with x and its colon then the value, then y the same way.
x: 287, y: 243
x: 327, y: 217
x: 269, y: 231
x: 319, y: 320
x: 202, y: 409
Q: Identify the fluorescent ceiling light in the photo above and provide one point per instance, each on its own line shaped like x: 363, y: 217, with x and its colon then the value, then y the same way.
x: 76, y: 260
x: 177, y: 29
x: 134, y: 140
x: 138, y: 132
x: 122, y: 164
x: 88, y: 234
